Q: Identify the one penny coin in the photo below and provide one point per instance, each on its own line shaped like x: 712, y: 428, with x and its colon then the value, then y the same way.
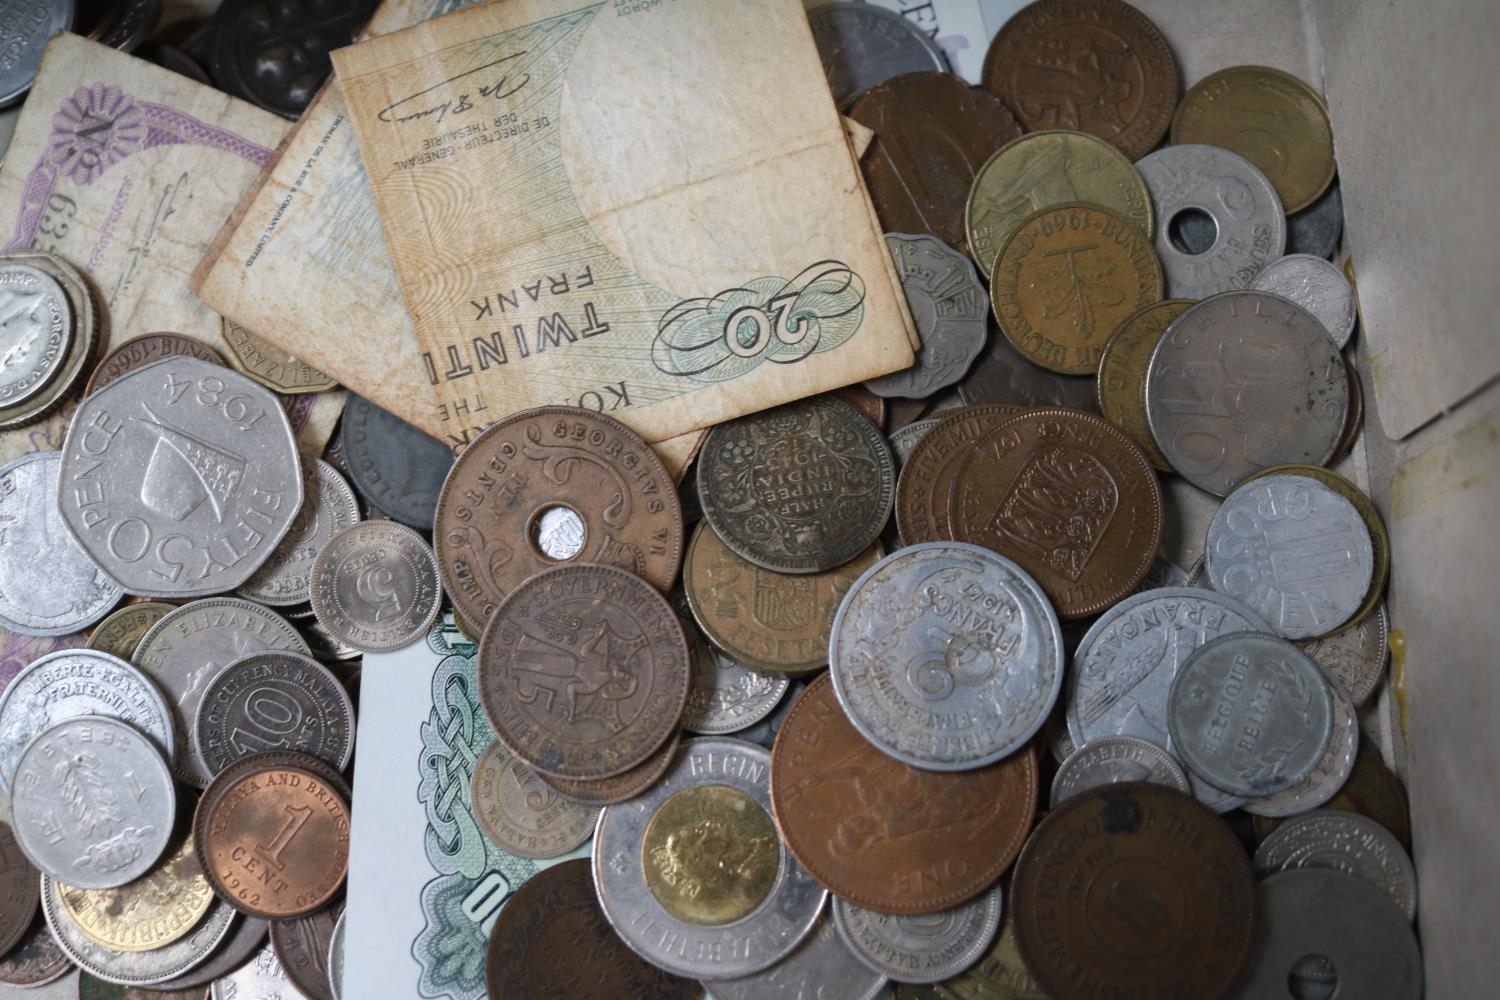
x: 584, y: 671
x: 138, y: 352
x: 933, y: 131
x: 1095, y: 66
x: 18, y: 891
x: 883, y: 834
x: 768, y: 621
x: 550, y: 485
x: 1067, y: 496
x: 608, y: 791
x: 552, y: 937
x: 801, y: 488
x: 926, y: 476
x: 1133, y: 890
x: 1122, y: 372
x: 521, y: 813
x: 1068, y: 277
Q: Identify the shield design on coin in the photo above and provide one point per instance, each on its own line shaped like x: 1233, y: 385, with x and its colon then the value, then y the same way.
x: 782, y: 602
x: 1058, y: 509
x: 184, y: 471
x: 586, y: 681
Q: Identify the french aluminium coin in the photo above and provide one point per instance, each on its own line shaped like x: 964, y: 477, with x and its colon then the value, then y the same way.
x: 1113, y: 759
x: 946, y: 656
x: 693, y: 874
x: 1317, y: 286
x: 1330, y: 774
x: 180, y: 478
x: 950, y: 308
x: 328, y: 507
x: 921, y: 949
x: 36, y: 326
x: 375, y: 586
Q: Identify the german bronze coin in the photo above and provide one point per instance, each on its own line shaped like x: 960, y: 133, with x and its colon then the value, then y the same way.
x: 584, y: 671
x: 552, y: 941
x: 18, y: 891
x: 1122, y: 373
x: 1242, y: 381
x: 521, y: 813
x: 301, y: 947
x: 933, y: 131
x: 862, y: 44
x: 270, y: 365
x: 801, y: 488
x: 35, y: 960
x: 1067, y: 496
x: 768, y: 621
x: 1044, y: 169
x: 552, y: 485
x: 1095, y: 66
x: 885, y: 835
x: 138, y: 352
x: 375, y: 586
x: 1066, y: 279
x: 1002, y: 375
x: 157, y: 909
x: 277, y: 57
x: 922, y: 490
x: 122, y: 631
x: 726, y: 696
x: 1269, y: 117
x: 396, y: 468
x: 948, y: 304
x: 608, y: 791
x: 1133, y: 890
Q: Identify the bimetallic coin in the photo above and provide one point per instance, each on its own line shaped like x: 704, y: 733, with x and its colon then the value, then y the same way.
x: 1272, y: 119
x: 48, y: 584
x: 397, y: 469
x: 521, y: 813
x: 36, y: 326
x: 822, y: 966
x: 138, y: 352
x: 74, y: 682
x: 336, y: 959
x: 1243, y: 381
x: 18, y: 891
x: 1242, y: 224
x: 920, y: 949
x: 375, y: 586
x: 246, y: 936
x: 948, y: 304
x: 1098, y: 66
x: 36, y: 960
x: 1044, y: 169
x: 270, y: 365
x: 1355, y: 657
x: 26, y: 29
x: 946, y: 656
x: 136, y: 968
x: 1295, y: 551
x: 1315, y: 285
x: 1122, y: 373
x: 180, y: 478
x: 262, y: 978
x: 302, y: 948
x: 160, y: 907
x: 801, y: 488
x: 1324, y: 780
x: 1110, y: 760
x: 92, y: 802
x: 1249, y: 713
x: 1346, y: 842
x: 121, y: 632
x: 328, y: 507
x: 692, y: 872
x: 273, y: 700
x: 862, y: 45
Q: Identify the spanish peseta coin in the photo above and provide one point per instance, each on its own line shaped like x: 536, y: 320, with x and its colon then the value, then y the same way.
x: 725, y: 696
x: 375, y: 586
x: 120, y: 632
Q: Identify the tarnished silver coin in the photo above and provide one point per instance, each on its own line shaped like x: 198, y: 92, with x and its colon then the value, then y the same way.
x: 862, y: 45
x: 905, y: 439
x: 927, y: 948
x: 692, y: 874
x: 1249, y: 225
x: 1243, y: 381
x: 48, y: 583
x: 92, y: 802
x: 180, y: 478
x: 1317, y: 286
x: 36, y: 326
x: 725, y: 696
x: 822, y: 966
x: 1112, y: 759
x: 273, y: 700
x: 336, y: 958
x: 1250, y: 713
x: 946, y: 656
x: 328, y: 507
x: 375, y: 586
x: 184, y: 651
x: 1356, y: 656
x: 1295, y: 551
x: 950, y: 308
x: 74, y: 682
x: 522, y: 813
x: 1330, y: 774
x: 26, y: 28
x: 1347, y: 842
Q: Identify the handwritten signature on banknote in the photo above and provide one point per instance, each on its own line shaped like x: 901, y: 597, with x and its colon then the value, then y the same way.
x: 499, y: 90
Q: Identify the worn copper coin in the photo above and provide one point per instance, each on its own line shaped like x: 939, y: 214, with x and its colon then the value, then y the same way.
x: 552, y: 940
x: 18, y: 891
x: 863, y: 400
x: 801, y: 488
x: 885, y: 835
x: 584, y: 671
x: 768, y: 621
x: 301, y: 947
x: 523, y: 814
x: 933, y: 131
x: 138, y: 352
x: 922, y: 490
x: 270, y: 365
x: 1122, y: 372
x: 277, y: 57
x: 1133, y: 890
x: 1096, y: 66
x: 122, y: 631
x: 35, y: 960
x: 1066, y: 279
x: 608, y: 791
x: 1002, y: 375
x: 552, y: 463
x: 1067, y: 496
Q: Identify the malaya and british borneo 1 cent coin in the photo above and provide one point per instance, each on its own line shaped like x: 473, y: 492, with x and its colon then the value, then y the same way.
x: 1067, y: 496
x: 801, y: 488
x: 584, y: 671
x: 883, y: 834
x: 545, y: 464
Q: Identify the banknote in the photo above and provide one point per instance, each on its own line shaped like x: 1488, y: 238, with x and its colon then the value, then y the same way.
x: 957, y: 26
x: 567, y: 228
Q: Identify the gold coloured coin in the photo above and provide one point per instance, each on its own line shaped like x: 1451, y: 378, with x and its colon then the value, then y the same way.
x: 1067, y: 279
x: 269, y: 365
x: 158, y: 908
x: 1044, y: 169
x: 1272, y: 119
x: 1122, y: 372
x: 710, y: 855
x: 121, y: 632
